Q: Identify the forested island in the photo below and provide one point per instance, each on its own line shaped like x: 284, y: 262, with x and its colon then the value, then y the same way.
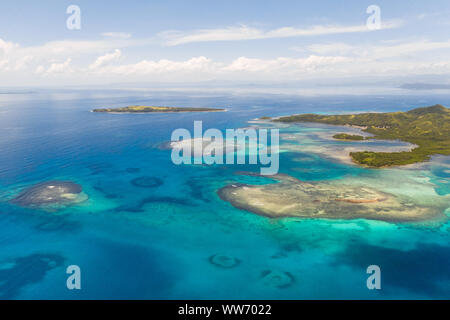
x: 150, y: 109
x: 345, y: 136
x: 428, y: 128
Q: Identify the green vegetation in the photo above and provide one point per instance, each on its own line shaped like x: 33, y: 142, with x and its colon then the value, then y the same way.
x: 428, y: 128
x: 345, y: 136
x: 148, y: 109
x: 265, y: 118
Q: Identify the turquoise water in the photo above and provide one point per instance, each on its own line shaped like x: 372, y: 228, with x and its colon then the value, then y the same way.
x: 157, y: 243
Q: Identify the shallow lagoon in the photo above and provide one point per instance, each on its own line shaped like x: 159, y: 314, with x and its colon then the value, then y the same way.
x: 157, y: 242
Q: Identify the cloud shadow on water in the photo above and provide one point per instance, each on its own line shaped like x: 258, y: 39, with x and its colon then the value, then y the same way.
x: 24, y: 271
x: 423, y: 270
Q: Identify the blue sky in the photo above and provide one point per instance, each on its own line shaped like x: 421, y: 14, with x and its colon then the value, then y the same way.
x: 189, y: 41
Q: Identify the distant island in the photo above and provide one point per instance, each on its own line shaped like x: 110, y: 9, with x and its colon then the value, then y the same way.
x: 345, y: 136
x: 428, y: 128
x: 151, y: 109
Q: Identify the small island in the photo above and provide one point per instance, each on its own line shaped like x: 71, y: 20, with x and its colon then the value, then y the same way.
x: 153, y: 109
x: 345, y: 136
x: 50, y: 193
x: 428, y: 128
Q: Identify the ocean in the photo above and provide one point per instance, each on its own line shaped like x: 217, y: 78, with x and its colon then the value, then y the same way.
x: 165, y: 241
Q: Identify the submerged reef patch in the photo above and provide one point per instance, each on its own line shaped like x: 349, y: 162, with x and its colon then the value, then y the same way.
x: 98, y: 168
x: 277, y: 279
x: 146, y: 182
x: 224, y: 261
x: 291, y: 197
x: 57, y: 223
x: 139, y: 206
x: 109, y: 192
x: 197, y: 189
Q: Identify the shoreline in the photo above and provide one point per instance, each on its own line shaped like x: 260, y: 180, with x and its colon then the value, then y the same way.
x: 427, y: 128
x: 341, y: 153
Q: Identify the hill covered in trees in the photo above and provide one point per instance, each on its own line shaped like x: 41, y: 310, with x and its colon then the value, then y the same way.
x: 427, y: 127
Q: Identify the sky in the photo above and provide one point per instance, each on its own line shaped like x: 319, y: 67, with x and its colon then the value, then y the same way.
x: 329, y: 41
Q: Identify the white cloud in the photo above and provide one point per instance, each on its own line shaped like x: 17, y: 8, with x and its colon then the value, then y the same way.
x: 329, y: 48
x: 72, y: 47
x: 63, y: 49
x: 7, y: 47
x: 244, y: 32
x: 280, y: 68
x: 60, y: 68
x: 3, y: 63
x: 145, y: 67
x: 106, y: 59
x: 20, y: 58
x: 117, y: 35
x: 102, y: 60
x: 16, y: 58
x: 407, y: 48
x: 379, y: 51
x: 39, y: 70
x: 282, y: 64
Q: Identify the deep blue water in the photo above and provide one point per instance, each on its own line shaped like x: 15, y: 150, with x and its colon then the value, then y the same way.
x: 156, y: 243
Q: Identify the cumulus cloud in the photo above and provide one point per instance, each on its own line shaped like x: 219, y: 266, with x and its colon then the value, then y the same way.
x: 20, y: 58
x: 144, y: 67
x: 63, y: 67
x: 280, y: 68
x: 7, y: 47
x: 39, y: 70
x: 103, y: 59
x: 106, y: 59
x: 9, y: 59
